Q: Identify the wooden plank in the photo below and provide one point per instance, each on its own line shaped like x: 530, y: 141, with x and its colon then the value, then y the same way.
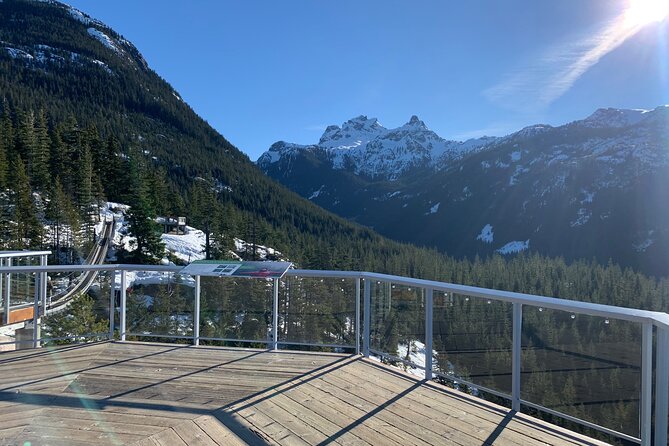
x: 142, y: 418
x: 294, y: 426
x: 234, y: 433
x: 193, y: 435
x: 66, y: 436
x: 162, y: 394
x: 447, y: 400
x: 10, y: 435
x: 102, y: 426
x: 309, y: 417
x: 268, y: 428
x: 168, y: 438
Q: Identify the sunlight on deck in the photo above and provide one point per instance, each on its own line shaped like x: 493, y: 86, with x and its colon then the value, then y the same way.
x: 147, y: 394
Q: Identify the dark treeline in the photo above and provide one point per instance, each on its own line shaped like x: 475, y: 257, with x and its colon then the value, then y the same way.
x: 59, y: 172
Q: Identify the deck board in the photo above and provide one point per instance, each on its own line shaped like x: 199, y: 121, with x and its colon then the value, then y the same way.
x: 162, y: 394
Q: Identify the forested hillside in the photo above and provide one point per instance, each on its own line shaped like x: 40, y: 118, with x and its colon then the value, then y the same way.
x: 74, y: 89
x: 84, y: 119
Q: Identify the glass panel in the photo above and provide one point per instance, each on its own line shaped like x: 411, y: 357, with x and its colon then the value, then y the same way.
x: 159, y: 304
x: 319, y: 311
x: 236, y: 308
x: 585, y: 366
x: 398, y: 323
x: 22, y: 285
x: 79, y: 317
x: 472, y: 338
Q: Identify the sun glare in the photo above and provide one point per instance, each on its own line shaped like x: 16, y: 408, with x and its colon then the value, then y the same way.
x: 643, y: 12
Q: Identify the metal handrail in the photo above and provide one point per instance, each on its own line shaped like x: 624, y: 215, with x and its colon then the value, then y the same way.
x: 648, y: 320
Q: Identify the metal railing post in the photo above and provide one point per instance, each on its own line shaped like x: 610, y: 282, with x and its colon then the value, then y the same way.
x: 357, y: 316
x: 36, y: 311
x: 428, y: 333
x: 515, y: 355
x: 2, y: 283
x: 7, y: 290
x: 42, y: 283
x: 121, y: 314
x: 646, y: 383
x: 196, y: 313
x: 275, y: 316
x: 367, y: 317
x: 112, y: 303
x: 662, y: 386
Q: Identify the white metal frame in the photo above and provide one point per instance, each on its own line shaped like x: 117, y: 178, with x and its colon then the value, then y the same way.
x: 654, y: 325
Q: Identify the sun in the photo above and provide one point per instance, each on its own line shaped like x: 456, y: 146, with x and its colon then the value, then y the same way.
x: 643, y: 12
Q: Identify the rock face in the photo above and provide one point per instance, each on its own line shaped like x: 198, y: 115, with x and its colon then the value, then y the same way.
x: 597, y: 187
x: 369, y: 149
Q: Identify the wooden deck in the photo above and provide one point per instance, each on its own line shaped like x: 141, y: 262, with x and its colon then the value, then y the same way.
x: 158, y: 394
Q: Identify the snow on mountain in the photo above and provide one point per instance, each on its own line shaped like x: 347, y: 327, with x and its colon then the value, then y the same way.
x: 514, y: 247
x: 486, y: 235
x: 614, y: 117
x: 353, y: 133
x: 434, y: 209
x: 376, y: 151
x: 104, y: 39
x: 186, y: 247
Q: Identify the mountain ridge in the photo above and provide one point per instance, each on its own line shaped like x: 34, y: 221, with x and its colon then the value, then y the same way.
x: 101, y: 100
x: 556, y: 190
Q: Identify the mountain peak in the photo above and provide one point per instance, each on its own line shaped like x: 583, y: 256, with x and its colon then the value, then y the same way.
x: 614, y: 117
x: 362, y: 122
x: 415, y: 123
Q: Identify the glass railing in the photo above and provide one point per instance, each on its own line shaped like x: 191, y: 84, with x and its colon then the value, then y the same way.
x: 581, y: 364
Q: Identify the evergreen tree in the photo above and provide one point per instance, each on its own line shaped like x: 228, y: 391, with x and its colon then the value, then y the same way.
x: 61, y: 215
x: 77, y: 320
x: 28, y: 228
x: 141, y: 223
x: 39, y: 155
x: 84, y: 190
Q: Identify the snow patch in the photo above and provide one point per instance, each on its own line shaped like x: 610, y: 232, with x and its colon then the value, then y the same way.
x: 486, y: 235
x: 433, y: 209
x: 641, y: 247
x: 187, y: 247
x: 513, y: 180
x: 102, y: 65
x: 416, y: 356
x: 582, y: 217
x: 104, y: 39
x: 514, y: 247
x: 587, y: 196
x: 316, y: 193
x: 16, y: 53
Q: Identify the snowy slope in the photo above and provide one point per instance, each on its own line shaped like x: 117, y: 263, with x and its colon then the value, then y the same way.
x: 596, y: 187
x: 185, y: 247
x: 376, y: 151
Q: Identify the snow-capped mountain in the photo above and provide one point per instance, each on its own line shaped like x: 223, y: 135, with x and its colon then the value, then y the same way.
x: 596, y: 187
x: 372, y: 150
x: 41, y: 56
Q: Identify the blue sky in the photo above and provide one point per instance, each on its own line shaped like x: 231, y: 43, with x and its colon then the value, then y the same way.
x: 263, y: 71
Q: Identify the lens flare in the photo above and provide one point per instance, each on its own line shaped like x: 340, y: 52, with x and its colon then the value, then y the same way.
x: 643, y: 12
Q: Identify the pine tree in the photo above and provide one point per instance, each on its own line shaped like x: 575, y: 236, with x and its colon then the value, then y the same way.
x: 77, y: 320
x: 84, y: 190
x: 39, y: 155
x: 114, y: 174
x: 5, y: 144
x: 59, y: 212
x: 141, y: 224
x: 29, y: 231
x: 25, y: 142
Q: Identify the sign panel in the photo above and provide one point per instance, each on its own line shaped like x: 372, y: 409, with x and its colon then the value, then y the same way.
x: 230, y: 268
